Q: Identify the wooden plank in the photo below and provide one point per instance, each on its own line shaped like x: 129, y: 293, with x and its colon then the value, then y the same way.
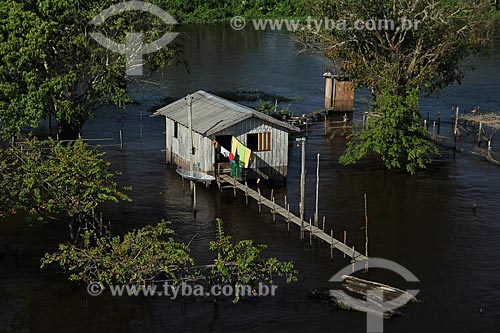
x: 355, y: 255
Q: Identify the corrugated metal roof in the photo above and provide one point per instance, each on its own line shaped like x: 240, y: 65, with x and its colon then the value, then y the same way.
x: 212, y: 114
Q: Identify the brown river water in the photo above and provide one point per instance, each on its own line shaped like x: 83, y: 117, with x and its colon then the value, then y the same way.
x: 424, y: 222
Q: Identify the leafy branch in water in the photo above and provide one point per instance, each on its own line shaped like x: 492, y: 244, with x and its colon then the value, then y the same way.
x: 56, y: 181
x: 396, y: 135
x: 241, y: 263
x: 139, y: 256
x: 146, y: 255
x: 270, y: 108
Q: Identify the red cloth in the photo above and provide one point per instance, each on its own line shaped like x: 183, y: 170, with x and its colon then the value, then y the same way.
x: 231, y: 156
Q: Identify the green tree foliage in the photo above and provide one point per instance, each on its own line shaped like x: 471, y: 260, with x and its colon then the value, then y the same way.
x: 49, y: 64
x: 140, y: 256
x: 423, y: 49
x: 48, y: 180
x: 270, y: 108
x: 266, y: 107
x: 241, y: 263
x: 150, y: 254
x: 395, y: 134
x: 403, y: 46
x: 208, y: 11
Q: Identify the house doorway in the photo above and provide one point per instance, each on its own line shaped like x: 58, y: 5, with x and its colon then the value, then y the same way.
x: 224, y: 141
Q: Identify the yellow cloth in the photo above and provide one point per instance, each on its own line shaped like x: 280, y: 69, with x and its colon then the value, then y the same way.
x: 234, y: 145
x: 248, y: 153
x: 242, y: 150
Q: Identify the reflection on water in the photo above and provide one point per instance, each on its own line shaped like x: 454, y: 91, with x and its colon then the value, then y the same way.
x: 425, y: 223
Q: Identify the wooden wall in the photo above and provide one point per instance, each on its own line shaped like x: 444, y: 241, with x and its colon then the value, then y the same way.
x: 177, y: 149
x: 343, y: 96
x: 272, y: 163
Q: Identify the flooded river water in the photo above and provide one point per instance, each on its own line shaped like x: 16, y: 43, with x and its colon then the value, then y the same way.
x: 424, y: 222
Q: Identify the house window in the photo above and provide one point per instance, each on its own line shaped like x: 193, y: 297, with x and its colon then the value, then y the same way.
x: 259, y: 141
x: 176, y: 129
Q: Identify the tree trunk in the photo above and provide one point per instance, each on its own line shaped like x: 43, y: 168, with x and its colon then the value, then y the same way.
x: 68, y: 131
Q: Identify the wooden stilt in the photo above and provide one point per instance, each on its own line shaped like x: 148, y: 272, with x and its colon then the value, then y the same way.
x: 246, y: 192
x: 260, y: 201
x: 353, y: 256
x: 274, y: 210
x: 302, y: 185
x: 480, y: 134
x: 345, y: 239
x: 316, y: 212
x: 331, y: 244
x: 194, y: 196
x: 366, y: 231
x: 310, y: 233
x: 234, y: 186
x: 301, y: 223
x: 455, y: 131
x: 166, y: 141
x: 326, y: 129
x: 121, y: 140
x: 288, y: 218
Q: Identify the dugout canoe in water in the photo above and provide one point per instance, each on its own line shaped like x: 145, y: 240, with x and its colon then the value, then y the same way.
x: 391, y: 294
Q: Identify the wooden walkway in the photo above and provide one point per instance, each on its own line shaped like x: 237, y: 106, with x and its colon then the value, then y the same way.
x: 291, y: 218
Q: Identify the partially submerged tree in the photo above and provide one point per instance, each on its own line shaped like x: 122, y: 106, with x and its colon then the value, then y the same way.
x: 394, y: 133
x: 56, y: 181
x: 49, y: 64
x: 241, y: 263
x: 140, y: 256
x: 150, y: 254
x: 400, y: 47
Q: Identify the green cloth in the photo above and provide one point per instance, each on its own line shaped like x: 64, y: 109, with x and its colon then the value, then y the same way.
x: 236, y: 170
x: 241, y: 151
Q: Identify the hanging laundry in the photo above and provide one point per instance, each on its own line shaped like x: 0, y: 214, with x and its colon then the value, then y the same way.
x: 244, y: 154
x: 224, y: 151
x: 234, y: 145
x: 241, y: 152
x: 248, y: 154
